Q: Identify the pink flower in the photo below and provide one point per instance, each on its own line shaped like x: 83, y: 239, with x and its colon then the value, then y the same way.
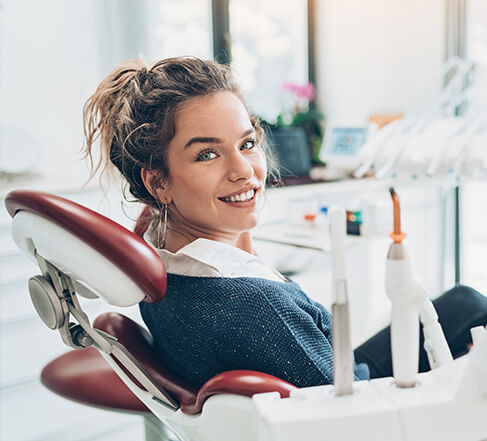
x: 305, y: 91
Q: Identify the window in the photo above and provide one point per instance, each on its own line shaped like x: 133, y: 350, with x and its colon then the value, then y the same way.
x: 268, y: 47
x: 181, y: 28
x: 153, y: 30
x: 476, y: 32
x: 474, y: 212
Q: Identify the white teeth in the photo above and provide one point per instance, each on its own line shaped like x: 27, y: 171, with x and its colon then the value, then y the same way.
x: 241, y: 197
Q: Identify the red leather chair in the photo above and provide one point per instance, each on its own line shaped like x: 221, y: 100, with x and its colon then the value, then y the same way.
x: 114, y: 365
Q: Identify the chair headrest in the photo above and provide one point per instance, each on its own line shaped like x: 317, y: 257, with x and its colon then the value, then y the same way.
x: 126, y: 254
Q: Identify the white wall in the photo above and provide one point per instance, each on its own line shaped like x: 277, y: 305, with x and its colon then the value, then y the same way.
x: 377, y: 56
x: 49, y: 66
x: 372, y: 56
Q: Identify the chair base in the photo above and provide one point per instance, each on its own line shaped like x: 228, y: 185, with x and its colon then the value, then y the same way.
x: 156, y: 430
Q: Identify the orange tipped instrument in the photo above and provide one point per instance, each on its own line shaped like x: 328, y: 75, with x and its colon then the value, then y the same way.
x: 397, y: 235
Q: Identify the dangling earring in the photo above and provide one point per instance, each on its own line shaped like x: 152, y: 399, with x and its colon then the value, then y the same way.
x: 161, y: 225
x: 164, y: 227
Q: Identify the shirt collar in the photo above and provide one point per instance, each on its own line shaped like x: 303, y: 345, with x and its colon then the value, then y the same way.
x: 219, y: 255
x: 209, y: 258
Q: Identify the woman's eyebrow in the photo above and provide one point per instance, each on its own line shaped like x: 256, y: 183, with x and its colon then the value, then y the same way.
x: 202, y: 139
x: 248, y: 132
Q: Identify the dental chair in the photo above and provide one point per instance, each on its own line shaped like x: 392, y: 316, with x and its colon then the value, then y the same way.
x: 114, y: 364
x: 83, y: 253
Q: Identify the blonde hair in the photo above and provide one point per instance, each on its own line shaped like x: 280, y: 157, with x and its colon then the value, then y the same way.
x: 133, y: 113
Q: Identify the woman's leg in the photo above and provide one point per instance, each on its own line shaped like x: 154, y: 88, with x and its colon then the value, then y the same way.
x: 459, y: 309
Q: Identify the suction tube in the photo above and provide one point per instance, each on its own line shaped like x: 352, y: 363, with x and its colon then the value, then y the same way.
x: 341, y: 335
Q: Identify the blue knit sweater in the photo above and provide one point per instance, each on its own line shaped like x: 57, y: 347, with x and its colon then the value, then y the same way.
x: 207, y: 325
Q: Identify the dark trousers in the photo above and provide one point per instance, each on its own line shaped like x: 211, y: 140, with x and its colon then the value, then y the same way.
x: 459, y: 309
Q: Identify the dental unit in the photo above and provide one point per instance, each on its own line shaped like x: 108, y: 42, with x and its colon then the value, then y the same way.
x: 409, y: 406
x: 83, y: 253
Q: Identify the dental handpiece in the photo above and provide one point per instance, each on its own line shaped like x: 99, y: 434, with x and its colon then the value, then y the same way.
x: 341, y: 335
x: 435, y: 343
x: 401, y: 289
x: 410, y: 304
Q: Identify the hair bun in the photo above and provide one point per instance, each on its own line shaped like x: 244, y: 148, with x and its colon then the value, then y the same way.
x: 142, y: 74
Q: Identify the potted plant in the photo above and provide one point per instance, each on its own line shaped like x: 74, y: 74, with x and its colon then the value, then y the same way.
x: 296, y: 135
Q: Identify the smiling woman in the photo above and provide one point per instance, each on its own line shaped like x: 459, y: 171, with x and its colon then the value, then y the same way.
x: 181, y: 135
x: 217, y: 172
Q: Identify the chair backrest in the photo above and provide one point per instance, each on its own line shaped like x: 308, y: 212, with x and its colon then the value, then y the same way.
x: 98, y: 254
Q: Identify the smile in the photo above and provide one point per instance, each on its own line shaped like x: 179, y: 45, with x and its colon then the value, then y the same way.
x: 245, y: 196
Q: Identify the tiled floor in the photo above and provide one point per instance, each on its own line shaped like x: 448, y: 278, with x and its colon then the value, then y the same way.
x: 29, y: 412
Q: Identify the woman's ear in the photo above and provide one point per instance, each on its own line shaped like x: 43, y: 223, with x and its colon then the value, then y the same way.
x: 154, y: 185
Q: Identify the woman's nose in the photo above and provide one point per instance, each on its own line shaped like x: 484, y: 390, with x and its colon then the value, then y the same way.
x: 240, y: 167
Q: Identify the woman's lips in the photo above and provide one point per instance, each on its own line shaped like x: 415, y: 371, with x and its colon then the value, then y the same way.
x: 235, y: 202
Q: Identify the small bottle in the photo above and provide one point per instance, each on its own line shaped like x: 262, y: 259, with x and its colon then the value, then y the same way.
x: 354, y: 222
x: 310, y: 219
x: 322, y: 218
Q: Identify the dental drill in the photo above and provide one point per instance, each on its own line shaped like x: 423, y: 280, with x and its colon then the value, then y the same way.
x: 341, y: 336
x: 410, y: 304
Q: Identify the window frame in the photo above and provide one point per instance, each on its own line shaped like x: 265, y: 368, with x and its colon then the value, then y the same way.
x: 222, y: 45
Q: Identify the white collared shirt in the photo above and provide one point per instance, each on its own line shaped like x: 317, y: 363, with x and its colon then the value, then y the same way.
x: 209, y: 258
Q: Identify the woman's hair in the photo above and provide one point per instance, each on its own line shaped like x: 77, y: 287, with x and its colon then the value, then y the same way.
x: 133, y: 113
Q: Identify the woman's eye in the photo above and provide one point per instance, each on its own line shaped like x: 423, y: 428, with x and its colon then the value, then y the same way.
x: 248, y: 144
x: 206, y: 155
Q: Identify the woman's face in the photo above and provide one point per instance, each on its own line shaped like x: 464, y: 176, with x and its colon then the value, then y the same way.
x: 217, y: 170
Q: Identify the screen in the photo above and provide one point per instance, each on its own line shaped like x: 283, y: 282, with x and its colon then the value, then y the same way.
x: 345, y: 141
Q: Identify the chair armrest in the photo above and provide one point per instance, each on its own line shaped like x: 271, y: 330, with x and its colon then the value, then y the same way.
x: 238, y: 382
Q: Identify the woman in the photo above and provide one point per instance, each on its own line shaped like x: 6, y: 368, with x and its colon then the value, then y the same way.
x: 181, y: 135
